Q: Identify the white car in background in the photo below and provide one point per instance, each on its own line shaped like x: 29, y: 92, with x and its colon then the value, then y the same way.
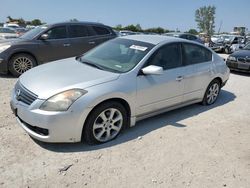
x: 8, y: 33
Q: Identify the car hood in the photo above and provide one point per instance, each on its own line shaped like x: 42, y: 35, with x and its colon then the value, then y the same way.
x: 10, y: 41
x: 55, y: 77
x: 241, y: 53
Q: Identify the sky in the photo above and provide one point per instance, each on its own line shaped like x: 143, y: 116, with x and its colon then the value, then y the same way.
x: 169, y: 14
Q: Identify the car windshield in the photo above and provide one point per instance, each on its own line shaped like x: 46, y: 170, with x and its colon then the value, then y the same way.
x: 117, y: 55
x: 34, y: 32
x: 247, y: 47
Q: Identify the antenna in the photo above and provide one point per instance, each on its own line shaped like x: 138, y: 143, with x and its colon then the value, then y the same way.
x: 221, y: 22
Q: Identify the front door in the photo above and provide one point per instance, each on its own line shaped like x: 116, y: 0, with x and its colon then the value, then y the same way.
x: 155, y: 92
x: 56, y: 46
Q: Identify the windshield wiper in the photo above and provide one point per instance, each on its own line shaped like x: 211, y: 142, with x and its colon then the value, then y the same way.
x: 93, y: 65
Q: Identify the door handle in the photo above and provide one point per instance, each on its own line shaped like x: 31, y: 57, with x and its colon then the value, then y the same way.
x: 92, y: 42
x: 179, y: 78
x: 66, y: 45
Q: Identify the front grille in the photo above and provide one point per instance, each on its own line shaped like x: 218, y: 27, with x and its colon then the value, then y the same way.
x: 24, y: 95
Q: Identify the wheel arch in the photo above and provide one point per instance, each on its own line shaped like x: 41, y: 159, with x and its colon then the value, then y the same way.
x: 116, y: 99
x: 22, y: 52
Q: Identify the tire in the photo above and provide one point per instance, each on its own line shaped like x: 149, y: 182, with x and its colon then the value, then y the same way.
x: 100, y: 127
x: 212, y: 92
x: 20, y: 63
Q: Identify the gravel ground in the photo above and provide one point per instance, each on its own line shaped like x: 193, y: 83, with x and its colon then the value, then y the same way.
x: 195, y: 146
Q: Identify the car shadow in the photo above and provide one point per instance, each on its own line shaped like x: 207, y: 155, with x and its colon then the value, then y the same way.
x: 7, y: 76
x: 144, y: 127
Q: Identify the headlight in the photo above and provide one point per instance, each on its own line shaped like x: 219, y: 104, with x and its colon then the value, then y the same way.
x: 62, y: 101
x: 4, y: 47
x: 231, y: 58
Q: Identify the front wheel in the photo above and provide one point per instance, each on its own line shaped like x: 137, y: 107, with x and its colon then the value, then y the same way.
x: 212, y: 93
x: 105, y: 123
x: 20, y: 63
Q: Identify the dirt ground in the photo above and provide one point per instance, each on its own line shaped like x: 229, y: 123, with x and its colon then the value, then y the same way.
x: 195, y: 146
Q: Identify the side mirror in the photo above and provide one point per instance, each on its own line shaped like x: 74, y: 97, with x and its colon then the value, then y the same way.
x: 44, y: 37
x: 152, y: 70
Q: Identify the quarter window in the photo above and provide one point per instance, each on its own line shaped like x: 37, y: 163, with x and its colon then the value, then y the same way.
x: 101, y: 30
x: 196, y: 54
x: 57, y: 33
x: 167, y: 57
x: 78, y: 31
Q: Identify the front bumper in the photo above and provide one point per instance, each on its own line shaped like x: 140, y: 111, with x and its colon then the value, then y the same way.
x: 49, y: 126
x: 238, y: 66
x: 3, y: 66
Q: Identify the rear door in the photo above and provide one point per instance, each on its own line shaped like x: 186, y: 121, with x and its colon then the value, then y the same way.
x: 56, y: 46
x: 79, y: 36
x: 100, y: 34
x: 198, y: 70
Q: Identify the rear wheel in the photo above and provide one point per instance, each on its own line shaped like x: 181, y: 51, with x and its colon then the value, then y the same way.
x: 20, y: 63
x: 212, y: 93
x: 105, y: 123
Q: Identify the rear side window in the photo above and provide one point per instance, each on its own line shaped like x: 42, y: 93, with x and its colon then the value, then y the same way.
x: 78, y: 31
x: 101, y: 30
x: 57, y: 33
x: 196, y: 54
x: 167, y: 57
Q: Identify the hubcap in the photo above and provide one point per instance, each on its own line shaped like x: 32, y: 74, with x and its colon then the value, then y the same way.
x: 22, y: 64
x: 213, y: 93
x: 107, y: 125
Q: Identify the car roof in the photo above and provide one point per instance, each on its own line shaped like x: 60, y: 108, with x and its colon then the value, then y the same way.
x: 153, y: 39
x: 75, y: 22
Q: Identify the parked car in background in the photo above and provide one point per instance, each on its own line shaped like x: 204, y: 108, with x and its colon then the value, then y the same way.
x: 51, y: 42
x: 20, y: 31
x: 11, y: 25
x: 126, y: 32
x: 185, y: 36
x: 226, y: 43
x: 109, y: 88
x: 7, y: 33
x: 240, y: 60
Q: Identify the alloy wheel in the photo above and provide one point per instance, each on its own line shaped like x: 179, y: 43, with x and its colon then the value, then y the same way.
x: 22, y: 64
x: 107, y: 124
x: 213, y: 93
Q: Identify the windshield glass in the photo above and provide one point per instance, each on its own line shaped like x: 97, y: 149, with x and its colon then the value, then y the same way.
x: 117, y: 55
x: 34, y: 32
x: 247, y: 47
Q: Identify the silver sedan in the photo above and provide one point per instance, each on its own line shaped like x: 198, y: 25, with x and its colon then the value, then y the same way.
x: 95, y: 96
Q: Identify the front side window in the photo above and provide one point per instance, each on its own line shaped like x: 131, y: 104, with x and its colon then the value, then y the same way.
x: 167, y: 57
x: 78, y: 31
x: 101, y: 30
x: 34, y: 32
x: 118, y: 55
x: 196, y: 54
x: 57, y: 33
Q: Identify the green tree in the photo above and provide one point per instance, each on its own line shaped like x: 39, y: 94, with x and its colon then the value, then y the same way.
x: 138, y: 27
x: 193, y: 31
x: 74, y: 20
x: 36, y: 22
x: 204, y: 16
x: 131, y: 28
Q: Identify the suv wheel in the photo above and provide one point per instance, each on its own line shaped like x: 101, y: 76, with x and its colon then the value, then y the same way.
x: 105, y: 123
x: 20, y: 63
